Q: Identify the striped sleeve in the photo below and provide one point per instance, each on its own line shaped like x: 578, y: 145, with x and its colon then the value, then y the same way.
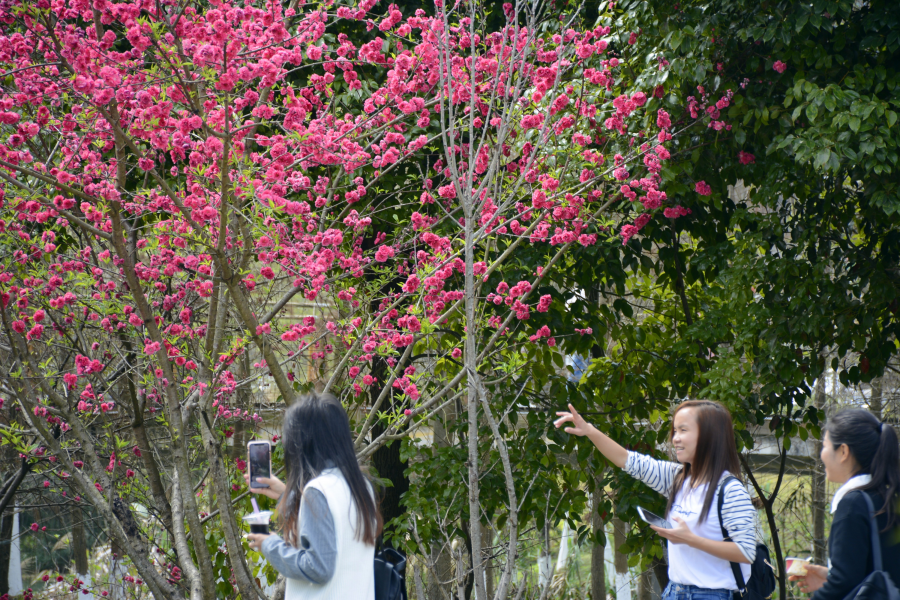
x: 658, y: 474
x: 739, y: 518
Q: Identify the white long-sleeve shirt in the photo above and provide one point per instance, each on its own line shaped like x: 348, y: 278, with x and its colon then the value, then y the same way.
x: 690, y: 566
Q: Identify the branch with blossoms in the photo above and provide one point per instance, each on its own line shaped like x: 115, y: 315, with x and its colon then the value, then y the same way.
x: 176, y: 177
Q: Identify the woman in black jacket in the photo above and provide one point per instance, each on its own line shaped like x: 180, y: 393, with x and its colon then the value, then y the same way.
x: 863, y: 454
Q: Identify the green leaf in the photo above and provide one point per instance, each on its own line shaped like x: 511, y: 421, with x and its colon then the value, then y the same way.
x: 812, y: 111
x: 854, y: 124
x: 822, y: 157
x: 675, y: 40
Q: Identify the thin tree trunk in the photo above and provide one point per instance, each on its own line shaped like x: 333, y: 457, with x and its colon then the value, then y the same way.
x: 442, y: 571
x: 769, y: 505
x: 645, y: 585
x: 488, y: 538
x: 598, y: 565
x: 6, y: 527
x: 818, y: 484
x: 876, y: 402
x: 79, y: 543
x: 117, y: 572
x: 619, y: 538
x: 545, y: 569
x: 471, y: 365
x: 661, y: 570
x: 386, y: 460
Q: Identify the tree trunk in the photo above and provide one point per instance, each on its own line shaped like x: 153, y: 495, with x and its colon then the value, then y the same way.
x: 645, y: 585
x: 619, y: 538
x: 117, y: 573
x: 386, y: 460
x: 6, y: 528
x: 487, y: 536
x: 598, y: 565
x: 545, y: 568
x: 442, y: 572
x: 876, y: 402
x: 661, y: 570
x: 79, y: 543
x: 818, y: 485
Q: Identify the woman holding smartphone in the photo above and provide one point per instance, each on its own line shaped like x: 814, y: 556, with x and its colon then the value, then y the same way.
x: 703, y: 438
x: 328, y: 515
x: 863, y: 454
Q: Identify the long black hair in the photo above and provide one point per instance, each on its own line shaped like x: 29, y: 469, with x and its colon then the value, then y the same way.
x: 316, y: 432
x: 716, y: 450
x: 876, y: 449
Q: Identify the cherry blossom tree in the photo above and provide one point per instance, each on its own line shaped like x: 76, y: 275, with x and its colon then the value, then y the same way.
x: 174, y: 175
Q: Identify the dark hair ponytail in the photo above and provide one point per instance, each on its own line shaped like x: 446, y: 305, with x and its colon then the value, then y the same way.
x: 316, y: 435
x: 876, y: 449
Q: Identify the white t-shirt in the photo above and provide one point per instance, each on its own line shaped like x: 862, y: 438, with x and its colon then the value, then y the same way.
x: 689, y: 566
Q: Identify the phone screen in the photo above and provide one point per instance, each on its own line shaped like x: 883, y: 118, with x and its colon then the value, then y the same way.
x: 258, y: 453
x: 653, y: 519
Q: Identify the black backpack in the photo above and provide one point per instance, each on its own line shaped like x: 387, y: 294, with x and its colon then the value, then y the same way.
x: 762, y: 575
x: 390, y: 574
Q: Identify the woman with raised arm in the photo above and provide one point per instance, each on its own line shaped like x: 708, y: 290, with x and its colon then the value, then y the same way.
x: 327, y: 510
x: 863, y: 454
x: 702, y: 436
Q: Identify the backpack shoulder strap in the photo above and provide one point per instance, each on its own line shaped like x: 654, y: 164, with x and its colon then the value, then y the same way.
x: 735, y: 567
x: 873, y: 525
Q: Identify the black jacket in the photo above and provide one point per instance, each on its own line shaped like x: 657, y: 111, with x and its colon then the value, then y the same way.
x: 850, y: 546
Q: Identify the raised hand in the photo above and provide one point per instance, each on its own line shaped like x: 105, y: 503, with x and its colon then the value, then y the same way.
x: 610, y: 449
x: 579, y: 427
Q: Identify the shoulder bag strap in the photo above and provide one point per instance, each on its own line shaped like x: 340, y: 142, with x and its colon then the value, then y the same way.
x: 735, y: 567
x: 873, y: 525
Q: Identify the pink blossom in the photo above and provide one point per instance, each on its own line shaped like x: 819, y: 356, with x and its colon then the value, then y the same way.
x: 412, y: 284
x: 447, y: 191
x: 746, y: 158
x: 662, y: 119
x: 779, y: 66
x: 544, y: 303
x: 627, y: 232
x: 676, y: 211
x: 314, y: 52
x: 703, y: 188
x: 384, y: 253
x: 151, y: 348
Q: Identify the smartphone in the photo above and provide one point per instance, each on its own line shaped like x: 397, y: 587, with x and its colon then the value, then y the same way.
x: 259, y: 457
x: 653, y: 519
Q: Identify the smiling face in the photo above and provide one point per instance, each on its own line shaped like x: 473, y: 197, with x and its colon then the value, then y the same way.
x: 840, y: 465
x: 685, y: 433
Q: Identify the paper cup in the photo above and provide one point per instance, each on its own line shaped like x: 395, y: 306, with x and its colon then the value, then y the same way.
x: 796, y: 566
x: 259, y: 522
